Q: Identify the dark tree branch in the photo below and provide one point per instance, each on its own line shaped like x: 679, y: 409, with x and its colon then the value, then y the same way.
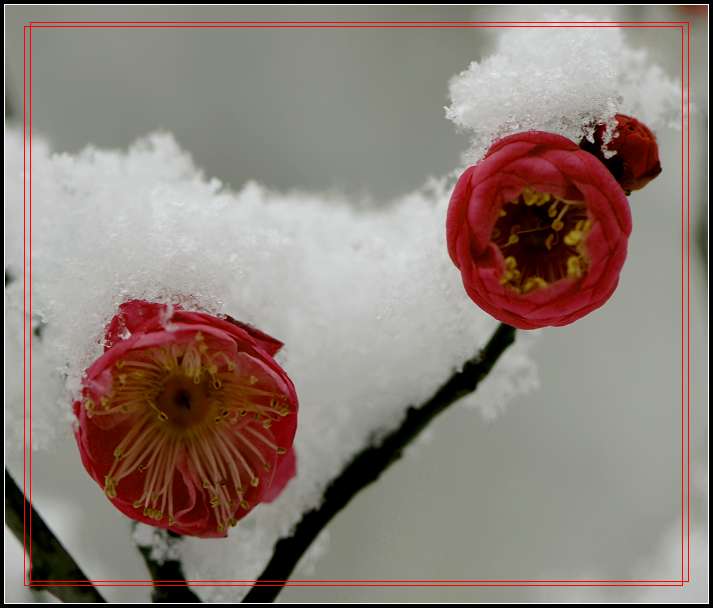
x: 168, y: 577
x: 369, y: 464
x: 50, y: 560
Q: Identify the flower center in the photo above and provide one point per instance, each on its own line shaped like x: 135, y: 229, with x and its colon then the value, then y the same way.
x: 192, y: 403
x: 185, y: 403
x: 542, y: 240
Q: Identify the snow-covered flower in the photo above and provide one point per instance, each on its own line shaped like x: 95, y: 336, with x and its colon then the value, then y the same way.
x: 539, y: 231
x: 635, y: 161
x: 186, y: 420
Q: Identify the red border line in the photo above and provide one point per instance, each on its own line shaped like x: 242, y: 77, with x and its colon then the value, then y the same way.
x: 688, y: 181
x: 360, y: 584
x: 24, y: 304
x: 683, y: 283
x: 367, y: 22
x: 685, y: 294
x: 342, y: 26
x: 29, y: 246
x: 365, y: 580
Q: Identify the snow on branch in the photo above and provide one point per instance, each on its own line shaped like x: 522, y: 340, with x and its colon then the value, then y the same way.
x: 563, y: 80
x: 367, y: 302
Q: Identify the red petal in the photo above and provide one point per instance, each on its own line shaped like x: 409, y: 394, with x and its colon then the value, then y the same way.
x: 286, y: 470
x: 131, y: 315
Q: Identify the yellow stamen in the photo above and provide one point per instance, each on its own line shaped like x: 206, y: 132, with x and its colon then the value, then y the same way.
x: 574, y: 267
x: 511, y: 272
x: 558, y: 224
x: 109, y: 486
x: 532, y: 283
x: 533, y: 197
x: 529, y: 196
x: 573, y: 237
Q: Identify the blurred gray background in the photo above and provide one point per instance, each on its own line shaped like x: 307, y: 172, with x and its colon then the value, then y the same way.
x: 578, y: 480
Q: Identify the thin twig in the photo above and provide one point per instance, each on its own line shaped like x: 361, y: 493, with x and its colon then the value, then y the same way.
x: 168, y: 577
x: 369, y: 464
x: 50, y: 560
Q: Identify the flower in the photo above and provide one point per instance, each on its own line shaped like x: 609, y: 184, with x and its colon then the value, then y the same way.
x: 186, y: 420
x: 636, y: 161
x: 539, y: 231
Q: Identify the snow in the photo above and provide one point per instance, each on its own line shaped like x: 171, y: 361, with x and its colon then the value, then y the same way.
x: 365, y: 298
x: 559, y: 79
